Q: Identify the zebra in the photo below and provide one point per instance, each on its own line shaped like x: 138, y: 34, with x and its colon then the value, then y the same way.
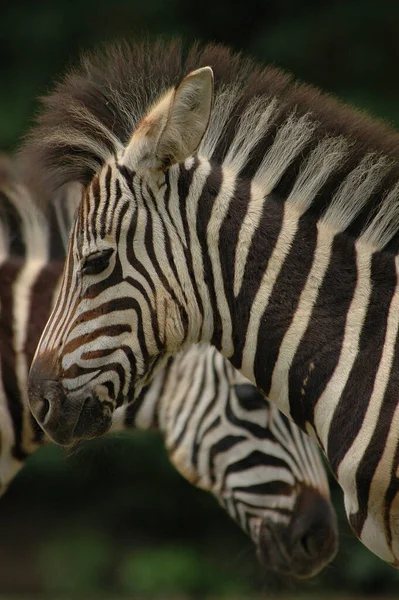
x: 219, y: 433
x: 227, y: 204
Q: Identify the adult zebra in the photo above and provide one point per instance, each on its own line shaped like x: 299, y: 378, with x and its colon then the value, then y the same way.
x: 275, y: 242
x: 219, y: 433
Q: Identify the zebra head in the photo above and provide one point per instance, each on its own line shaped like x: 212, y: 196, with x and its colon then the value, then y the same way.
x: 223, y: 436
x: 121, y: 309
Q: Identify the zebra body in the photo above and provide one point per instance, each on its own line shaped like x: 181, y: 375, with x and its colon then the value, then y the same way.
x: 218, y: 430
x: 262, y: 219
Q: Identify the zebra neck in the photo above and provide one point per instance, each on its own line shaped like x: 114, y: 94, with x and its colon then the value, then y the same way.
x: 186, y: 403
x: 155, y: 408
x: 298, y: 308
x: 176, y: 405
x: 147, y: 411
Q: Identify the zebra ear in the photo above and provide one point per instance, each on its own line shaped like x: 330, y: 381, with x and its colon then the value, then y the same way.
x: 174, y: 128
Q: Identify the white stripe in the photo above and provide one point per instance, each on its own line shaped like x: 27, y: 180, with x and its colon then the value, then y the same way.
x: 279, y: 392
x: 329, y: 399
x: 355, y: 453
x: 22, y: 295
x: 247, y: 231
x: 373, y: 532
x: 288, y: 230
x: 197, y: 186
x: 219, y: 212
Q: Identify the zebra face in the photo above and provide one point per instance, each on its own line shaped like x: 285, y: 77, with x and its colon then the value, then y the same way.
x: 280, y: 494
x: 119, y: 313
x: 223, y: 436
x: 110, y: 328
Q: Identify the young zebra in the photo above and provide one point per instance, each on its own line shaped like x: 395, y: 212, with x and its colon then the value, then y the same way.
x: 261, y: 217
x: 220, y: 434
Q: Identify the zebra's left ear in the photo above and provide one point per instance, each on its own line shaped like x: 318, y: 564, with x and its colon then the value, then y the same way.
x: 175, y: 126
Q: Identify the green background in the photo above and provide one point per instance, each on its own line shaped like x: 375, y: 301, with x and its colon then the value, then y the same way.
x: 115, y: 519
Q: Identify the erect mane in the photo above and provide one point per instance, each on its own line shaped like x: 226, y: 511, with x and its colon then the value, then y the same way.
x: 296, y: 142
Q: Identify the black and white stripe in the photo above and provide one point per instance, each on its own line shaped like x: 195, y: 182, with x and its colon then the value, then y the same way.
x: 264, y: 222
x: 220, y: 434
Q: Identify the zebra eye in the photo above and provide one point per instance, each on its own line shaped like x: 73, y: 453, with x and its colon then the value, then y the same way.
x: 97, y: 262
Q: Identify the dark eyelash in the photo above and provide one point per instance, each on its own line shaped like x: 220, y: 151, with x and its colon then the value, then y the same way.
x: 97, y: 262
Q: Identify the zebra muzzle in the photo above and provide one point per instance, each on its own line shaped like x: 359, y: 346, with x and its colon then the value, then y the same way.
x: 304, y: 546
x: 66, y: 418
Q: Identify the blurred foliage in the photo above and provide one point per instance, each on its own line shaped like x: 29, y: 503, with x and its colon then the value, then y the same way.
x: 115, y: 518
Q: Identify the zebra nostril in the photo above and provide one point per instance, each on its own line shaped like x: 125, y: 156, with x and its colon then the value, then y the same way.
x: 307, y: 545
x: 45, y: 409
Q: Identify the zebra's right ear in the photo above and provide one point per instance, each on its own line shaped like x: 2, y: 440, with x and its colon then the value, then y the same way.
x: 175, y: 126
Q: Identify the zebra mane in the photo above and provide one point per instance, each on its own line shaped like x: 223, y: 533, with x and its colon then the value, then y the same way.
x: 292, y: 140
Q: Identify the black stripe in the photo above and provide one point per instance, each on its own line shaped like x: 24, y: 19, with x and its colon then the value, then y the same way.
x: 390, y: 496
x: 40, y: 304
x: 183, y: 184
x: 257, y: 431
x: 199, y: 440
x: 283, y: 301
x: 168, y: 244
x: 375, y: 448
x: 133, y: 408
x: 193, y: 406
x: 255, y: 459
x: 8, y: 275
x: 149, y: 244
x: 113, y: 330
x: 207, y: 409
x: 220, y: 447
x: 131, y: 234
x: 359, y: 386
x: 228, y: 240
x: 205, y: 204
x: 106, y: 202
x: 275, y: 488
x: 11, y: 216
x: 189, y: 374
x: 322, y: 342
x: 96, y: 201
x: 262, y: 246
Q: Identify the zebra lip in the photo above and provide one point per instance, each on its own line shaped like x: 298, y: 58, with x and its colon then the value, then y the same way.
x: 93, y: 420
x: 271, y: 553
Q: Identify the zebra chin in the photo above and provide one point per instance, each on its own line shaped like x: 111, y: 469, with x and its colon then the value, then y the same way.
x: 306, y: 544
x: 67, y: 421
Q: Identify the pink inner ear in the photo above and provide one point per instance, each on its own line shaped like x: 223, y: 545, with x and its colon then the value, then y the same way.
x: 147, y: 126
